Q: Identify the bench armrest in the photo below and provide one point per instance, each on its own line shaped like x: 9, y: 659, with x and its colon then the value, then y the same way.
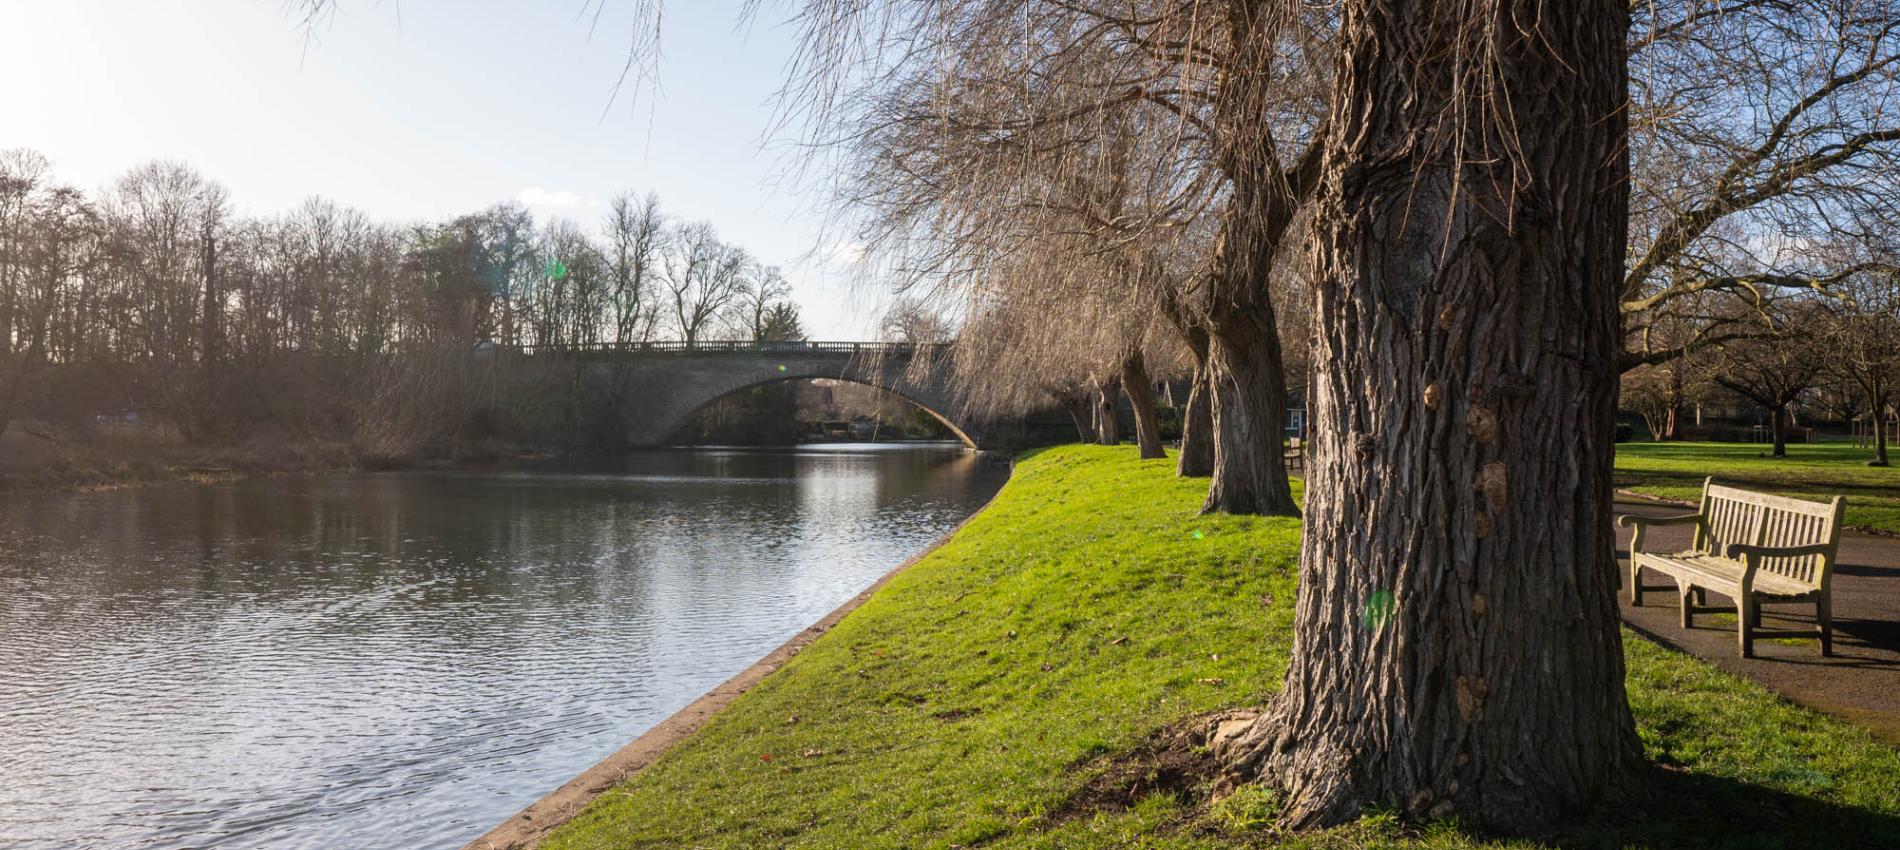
x: 1642, y: 524
x: 1632, y: 520
x: 1738, y: 551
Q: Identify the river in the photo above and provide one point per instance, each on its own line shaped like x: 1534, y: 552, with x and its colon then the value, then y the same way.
x: 402, y: 660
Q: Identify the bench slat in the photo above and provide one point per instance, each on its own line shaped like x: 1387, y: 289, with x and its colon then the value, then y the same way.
x: 1769, y: 500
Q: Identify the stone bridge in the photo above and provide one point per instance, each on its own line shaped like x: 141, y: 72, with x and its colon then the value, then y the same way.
x: 657, y: 387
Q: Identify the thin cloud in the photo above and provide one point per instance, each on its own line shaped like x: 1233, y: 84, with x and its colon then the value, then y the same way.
x: 846, y: 253
x: 536, y: 196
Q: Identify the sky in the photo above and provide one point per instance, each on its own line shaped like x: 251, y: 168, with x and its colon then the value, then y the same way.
x: 424, y: 109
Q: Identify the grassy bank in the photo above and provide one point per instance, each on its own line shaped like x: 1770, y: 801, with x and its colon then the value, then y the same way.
x: 1811, y: 471
x: 974, y: 700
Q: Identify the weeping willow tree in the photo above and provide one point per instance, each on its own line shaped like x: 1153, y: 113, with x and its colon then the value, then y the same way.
x: 1010, y: 359
x: 1170, y: 141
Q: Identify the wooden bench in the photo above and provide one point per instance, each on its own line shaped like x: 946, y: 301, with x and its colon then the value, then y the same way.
x: 1295, y: 454
x: 1753, y: 548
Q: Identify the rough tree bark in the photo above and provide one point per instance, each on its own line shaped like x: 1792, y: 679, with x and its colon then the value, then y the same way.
x: 1196, y: 458
x: 1456, y: 649
x: 1249, y: 419
x: 1108, y: 431
x: 1246, y: 372
x: 1141, y: 396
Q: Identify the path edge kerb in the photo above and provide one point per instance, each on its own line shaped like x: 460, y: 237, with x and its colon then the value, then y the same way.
x: 525, y: 829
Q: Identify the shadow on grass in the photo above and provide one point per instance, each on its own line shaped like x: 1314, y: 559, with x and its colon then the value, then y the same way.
x: 1670, y: 807
x: 1664, y: 805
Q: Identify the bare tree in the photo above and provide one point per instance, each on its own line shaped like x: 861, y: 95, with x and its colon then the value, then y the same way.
x: 162, y: 214
x: 48, y: 238
x: 1761, y: 131
x: 703, y: 278
x: 912, y: 320
x: 1774, y: 371
x: 1664, y: 390
x: 635, y: 237
x: 1863, y: 336
x: 766, y: 289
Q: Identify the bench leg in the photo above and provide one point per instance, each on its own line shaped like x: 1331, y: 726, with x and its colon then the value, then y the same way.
x: 1636, y: 583
x: 1824, y: 621
x: 1687, y: 594
x: 1747, y: 615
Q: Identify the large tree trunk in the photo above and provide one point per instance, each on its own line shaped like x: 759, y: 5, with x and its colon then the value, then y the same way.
x: 1456, y: 649
x: 1245, y: 372
x: 1196, y: 458
x: 1141, y: 396
x: 1249, y: 419
x: 1108, y: 431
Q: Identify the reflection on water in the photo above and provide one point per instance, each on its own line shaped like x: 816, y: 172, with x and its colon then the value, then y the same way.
x: 402, y: 660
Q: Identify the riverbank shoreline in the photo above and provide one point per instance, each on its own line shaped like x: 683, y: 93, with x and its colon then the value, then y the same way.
x: 1025, y: 687
x: 35, y: 462
x: 525, y: 829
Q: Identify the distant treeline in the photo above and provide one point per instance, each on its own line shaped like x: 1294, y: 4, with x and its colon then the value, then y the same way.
x: 151, y: 300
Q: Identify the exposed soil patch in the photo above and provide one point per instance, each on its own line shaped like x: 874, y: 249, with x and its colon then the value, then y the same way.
x: 1175, y: 760
x: 955, y: 714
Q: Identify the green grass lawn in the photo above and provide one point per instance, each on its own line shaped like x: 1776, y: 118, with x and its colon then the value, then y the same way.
x: 973, y: 697
x: 1810, y: 471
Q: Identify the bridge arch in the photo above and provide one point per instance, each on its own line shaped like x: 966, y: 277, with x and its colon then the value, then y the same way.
x: 659, y: 389
x: 948, y: 423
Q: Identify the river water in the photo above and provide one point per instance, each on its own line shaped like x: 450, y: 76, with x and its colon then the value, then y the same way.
x: 403, y: 660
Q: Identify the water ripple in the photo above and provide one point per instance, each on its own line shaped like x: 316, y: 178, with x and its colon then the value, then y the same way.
x: 404, y: 660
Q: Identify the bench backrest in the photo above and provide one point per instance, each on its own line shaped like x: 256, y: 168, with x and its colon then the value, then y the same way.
x: 1734, y: 515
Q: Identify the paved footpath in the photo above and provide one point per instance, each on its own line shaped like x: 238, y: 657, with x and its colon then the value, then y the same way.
x: 1860, y: 683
